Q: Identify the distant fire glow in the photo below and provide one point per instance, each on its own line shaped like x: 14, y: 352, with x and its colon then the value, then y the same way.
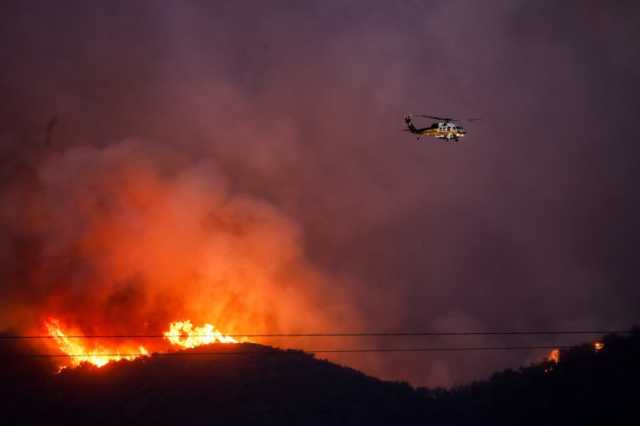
x: 598, y: 346
x: 553, y: 358
x: 84, y: 350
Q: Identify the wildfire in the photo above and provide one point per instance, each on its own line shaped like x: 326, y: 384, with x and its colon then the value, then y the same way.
x: 598, y: 346
x: 78, y: 352
x: 553, y: 358
x: 185, y: 335
x: 180, y: 333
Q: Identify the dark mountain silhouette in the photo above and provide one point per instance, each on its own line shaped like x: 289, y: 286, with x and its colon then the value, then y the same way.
x: 585, y: 387
x: 269, y: 386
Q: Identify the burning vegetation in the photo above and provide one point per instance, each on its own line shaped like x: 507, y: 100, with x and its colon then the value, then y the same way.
x: 118, y: 241
x: 79, y: 351
x: 554, y: 356
x: 185, y: 335
x: 97, y: 351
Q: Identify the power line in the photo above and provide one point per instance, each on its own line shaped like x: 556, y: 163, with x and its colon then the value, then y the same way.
x: 271, y: 351
x: 353, y: 334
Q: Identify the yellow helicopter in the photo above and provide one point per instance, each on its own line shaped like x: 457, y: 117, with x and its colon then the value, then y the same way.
x: 443, y: 128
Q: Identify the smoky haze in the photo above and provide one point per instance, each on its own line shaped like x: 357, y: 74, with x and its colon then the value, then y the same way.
x: 243, y: 163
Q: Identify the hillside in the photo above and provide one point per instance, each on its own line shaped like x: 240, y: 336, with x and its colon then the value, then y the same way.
x: 266, y: 387
x: 584, y: 387
x: 274, y: 387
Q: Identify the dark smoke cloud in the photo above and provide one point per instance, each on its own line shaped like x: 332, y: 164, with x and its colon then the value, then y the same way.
x: 298, y: 107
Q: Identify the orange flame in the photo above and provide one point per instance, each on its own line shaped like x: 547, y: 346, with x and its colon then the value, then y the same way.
x: 180, y: 333
x: 598, y: 346
x: 183, y: 334
x: 78, y: 353
x: 554, y: 356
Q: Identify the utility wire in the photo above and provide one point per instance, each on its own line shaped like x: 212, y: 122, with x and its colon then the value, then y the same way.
x: 355, y: 334
x: 271, y: 351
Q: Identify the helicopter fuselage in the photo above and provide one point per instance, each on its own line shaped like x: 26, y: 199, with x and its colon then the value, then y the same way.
x: 446, y: 130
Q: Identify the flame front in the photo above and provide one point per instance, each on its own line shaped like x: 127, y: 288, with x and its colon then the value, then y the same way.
x: 185, y: 335
x: 598, y: 346
x: 99, y: 356
x: 180, y: 333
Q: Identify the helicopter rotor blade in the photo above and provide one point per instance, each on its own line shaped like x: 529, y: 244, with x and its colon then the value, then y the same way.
x: 433, y: 117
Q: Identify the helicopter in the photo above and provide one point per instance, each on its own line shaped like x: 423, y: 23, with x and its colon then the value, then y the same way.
x: 443, y: 128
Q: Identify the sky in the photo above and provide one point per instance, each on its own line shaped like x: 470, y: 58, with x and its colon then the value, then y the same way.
x: 243, y: 163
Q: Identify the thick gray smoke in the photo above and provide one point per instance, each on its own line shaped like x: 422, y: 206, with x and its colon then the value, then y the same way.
x: 285, y: 117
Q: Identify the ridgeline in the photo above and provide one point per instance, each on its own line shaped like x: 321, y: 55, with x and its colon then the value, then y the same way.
x: 269, y: 386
